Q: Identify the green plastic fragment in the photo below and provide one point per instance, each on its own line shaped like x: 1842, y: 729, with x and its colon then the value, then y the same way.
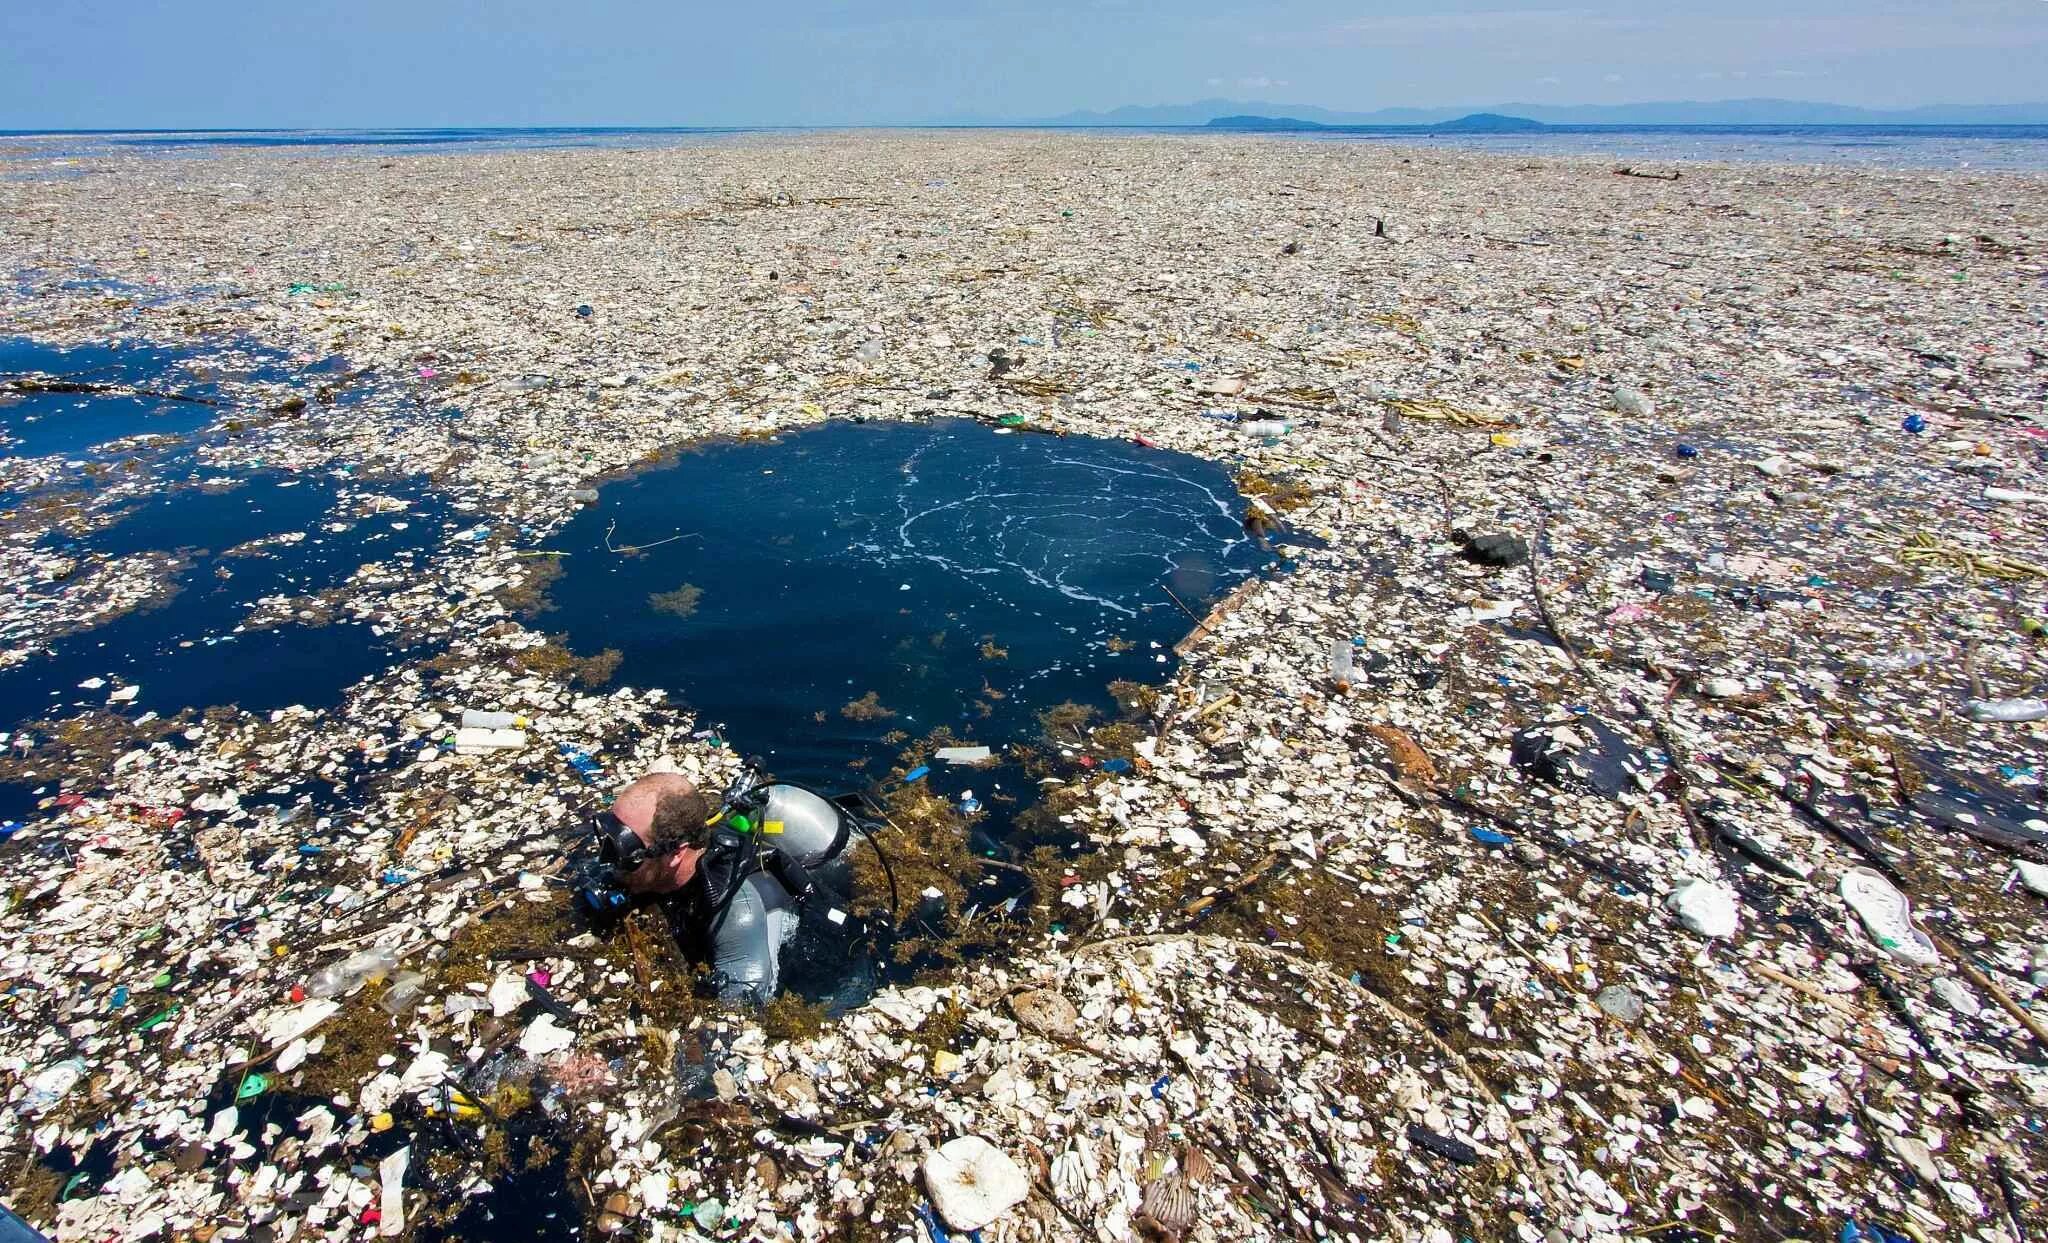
x: 252, y: 1085
x: 158, y: 1019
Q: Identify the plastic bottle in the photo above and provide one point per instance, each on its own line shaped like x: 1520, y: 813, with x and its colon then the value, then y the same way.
x: 404, y: 992
x: 968, y: 803
x: 1343, y: 664
x: 339, y: 978
x: 1634, y: 403
x: 2007, y: 711
x: 477, y: 718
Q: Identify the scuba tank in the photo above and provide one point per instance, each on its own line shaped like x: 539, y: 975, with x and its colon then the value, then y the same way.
x: 805, y: 826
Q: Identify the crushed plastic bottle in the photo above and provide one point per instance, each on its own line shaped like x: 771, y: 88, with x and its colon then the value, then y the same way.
x: 364, y: 966
x: 1633, y: 402
x: 404, y: 992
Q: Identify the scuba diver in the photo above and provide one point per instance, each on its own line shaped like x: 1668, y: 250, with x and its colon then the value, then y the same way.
x: 731, y: 877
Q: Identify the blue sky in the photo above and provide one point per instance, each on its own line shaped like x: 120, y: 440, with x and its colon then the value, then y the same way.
x: 189, y: 63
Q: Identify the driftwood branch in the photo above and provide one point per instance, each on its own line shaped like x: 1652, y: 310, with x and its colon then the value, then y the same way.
x: 46, y: 384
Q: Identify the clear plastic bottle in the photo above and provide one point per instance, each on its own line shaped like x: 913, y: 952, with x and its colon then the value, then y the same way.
x: 404, y: 992
x: 338, y: 979
x: 477, y: 718
x: 1343, y: 664
x: 2008, y: 711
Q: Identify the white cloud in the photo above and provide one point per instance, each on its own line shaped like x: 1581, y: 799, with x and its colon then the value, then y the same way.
x: 1550, y: 80
x: 1612, y: 77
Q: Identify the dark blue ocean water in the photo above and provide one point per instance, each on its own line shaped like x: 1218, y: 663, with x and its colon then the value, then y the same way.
x: 967, y: 577
x: 33, y: 425
x: 193, y: 650
x: 2012, y: 148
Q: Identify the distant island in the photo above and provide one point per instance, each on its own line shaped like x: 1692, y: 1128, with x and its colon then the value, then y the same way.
x: 1266, y: 123
x: 1475, y: 123
x: 1490, y: 123
x: 1667, y: 112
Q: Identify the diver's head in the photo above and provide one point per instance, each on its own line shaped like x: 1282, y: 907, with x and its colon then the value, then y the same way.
x: 654, y: 833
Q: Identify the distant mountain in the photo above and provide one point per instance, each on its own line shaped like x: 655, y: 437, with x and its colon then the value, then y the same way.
x: 1490, y: 123
x: 1474, y: 123
x: 1679, y: 112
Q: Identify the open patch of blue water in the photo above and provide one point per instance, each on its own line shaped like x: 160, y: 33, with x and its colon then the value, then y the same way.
x: 193, y: 651
x: 964, y: 577
x: 144, y: 380
x: 39, y: 424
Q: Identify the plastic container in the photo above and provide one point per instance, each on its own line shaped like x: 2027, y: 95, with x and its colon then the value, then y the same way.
x: 477, y: 718
x: 1343, y: 664
x: 475, y: 741
x: 404, y: 992
x: 1633, y: 402
x: 2007, y: 711
x: 338, y: 979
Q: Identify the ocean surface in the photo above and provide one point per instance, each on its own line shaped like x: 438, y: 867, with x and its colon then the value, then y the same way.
x: 2003, y: 148
x: 240, y: 536
x: 822, y: 598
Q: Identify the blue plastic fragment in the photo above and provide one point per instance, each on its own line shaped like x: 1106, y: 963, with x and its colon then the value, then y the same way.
x: 1914, y: 423
x: 938, y: 1229
x: 1159, y: 1087
x: 1116, y: 766
x: 1489, y: 837
x: 916, y: 774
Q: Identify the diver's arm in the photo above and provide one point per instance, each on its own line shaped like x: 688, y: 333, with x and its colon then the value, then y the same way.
x: 746, y: 957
